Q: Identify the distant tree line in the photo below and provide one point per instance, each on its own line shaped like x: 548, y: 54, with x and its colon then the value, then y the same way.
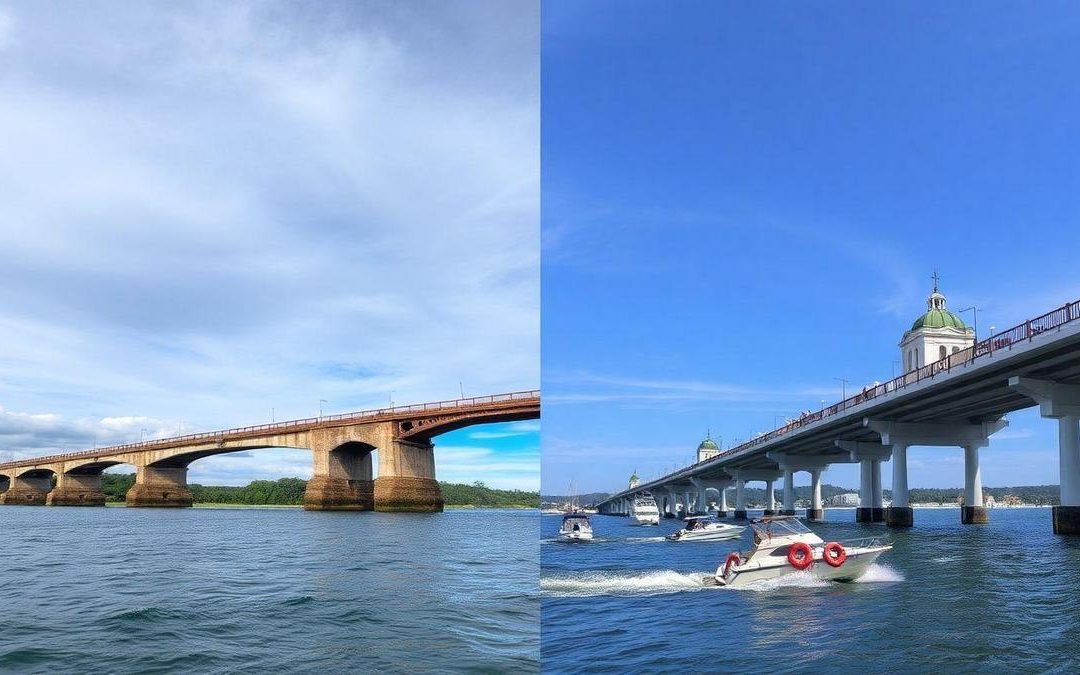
x: 290, y: 491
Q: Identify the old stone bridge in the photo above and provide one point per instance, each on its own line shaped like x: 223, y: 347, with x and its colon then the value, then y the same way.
x: 341, y: 446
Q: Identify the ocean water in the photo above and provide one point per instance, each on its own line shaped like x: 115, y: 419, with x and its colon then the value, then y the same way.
x: 267, y: 590
x: 949, y: 597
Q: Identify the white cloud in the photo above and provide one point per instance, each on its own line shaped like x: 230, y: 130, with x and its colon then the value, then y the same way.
x: 211, y: 210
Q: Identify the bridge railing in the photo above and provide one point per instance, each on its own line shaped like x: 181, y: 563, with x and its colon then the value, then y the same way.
x: 291, y: 425
x: 1005, y: 339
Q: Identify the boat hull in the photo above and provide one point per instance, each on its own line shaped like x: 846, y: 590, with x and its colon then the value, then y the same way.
x: 857, y: 563
x: 646, y: 519
x: 709, y: 535
x: 575, y: 536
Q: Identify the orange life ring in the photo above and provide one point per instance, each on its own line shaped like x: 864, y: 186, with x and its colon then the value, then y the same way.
x: 834, y: 554
x: 733, y: 558
x: 800, y: 555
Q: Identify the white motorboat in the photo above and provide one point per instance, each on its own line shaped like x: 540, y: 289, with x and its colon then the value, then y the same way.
x: 575, y: 527
x: 784, y: 545
x: 706, y: 528
x: 643, y: 511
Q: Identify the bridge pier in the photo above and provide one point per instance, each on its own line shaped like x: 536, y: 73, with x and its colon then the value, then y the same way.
x: 76, y: 490
x: 1061, y: 402
x: 789, y: 492
x: 27, y: 490
x: 973, y: 511
x: 406, y: 479
x: 869, y: 456
x: 159, y: 486
x: 900, y: 513
x: 770, y: 498
x: 740, y: 499
x: 815, y: 512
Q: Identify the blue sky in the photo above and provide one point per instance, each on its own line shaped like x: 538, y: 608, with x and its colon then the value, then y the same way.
x: 744, y: 201
x: 212, y: 213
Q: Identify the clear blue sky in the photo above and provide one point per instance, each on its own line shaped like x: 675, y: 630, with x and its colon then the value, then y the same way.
x: 743, y: 201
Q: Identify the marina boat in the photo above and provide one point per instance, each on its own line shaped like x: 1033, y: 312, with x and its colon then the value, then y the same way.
x: 784, y: 545
x: 706, y: 528
x: 644, y: 512
x: 575, y: 527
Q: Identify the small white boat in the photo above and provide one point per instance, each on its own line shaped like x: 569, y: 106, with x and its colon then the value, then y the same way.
x: 575, y: 527
x: 643, y: 511
x: 706, y: 528
x: 784, y: 545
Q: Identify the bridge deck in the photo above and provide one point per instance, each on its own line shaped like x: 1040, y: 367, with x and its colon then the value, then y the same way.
x: 970, y: 386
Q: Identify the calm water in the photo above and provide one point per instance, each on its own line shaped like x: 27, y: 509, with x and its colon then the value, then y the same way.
x: 1004, y: 596
x: 267, y: 590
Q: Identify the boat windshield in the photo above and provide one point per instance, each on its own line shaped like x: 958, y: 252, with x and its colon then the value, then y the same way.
x: 768, y: 528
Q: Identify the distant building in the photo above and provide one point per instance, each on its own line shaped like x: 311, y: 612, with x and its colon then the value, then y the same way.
x: 934, y: 335
x: 846, y: 499
x: 707, y: 449
x: 634, y: 479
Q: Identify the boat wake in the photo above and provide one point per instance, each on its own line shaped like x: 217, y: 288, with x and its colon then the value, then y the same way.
x: 624, y: 584
x: 879, y: 573
x: 638, y: 540
x: 792, y: 580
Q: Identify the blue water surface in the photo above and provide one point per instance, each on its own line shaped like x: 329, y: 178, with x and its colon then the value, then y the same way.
x: 267, y: 590
x: 949, y: 597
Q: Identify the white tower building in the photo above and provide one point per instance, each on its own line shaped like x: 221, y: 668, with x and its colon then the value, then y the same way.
x: 934, y: 335
x: 634, y: 482
x: 707, y: 449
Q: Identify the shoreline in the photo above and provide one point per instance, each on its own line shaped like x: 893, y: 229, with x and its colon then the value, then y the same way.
x: 217, y: 505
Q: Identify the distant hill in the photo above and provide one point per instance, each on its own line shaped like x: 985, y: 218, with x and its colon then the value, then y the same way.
x: 290, y: 491
x: 582, y: 500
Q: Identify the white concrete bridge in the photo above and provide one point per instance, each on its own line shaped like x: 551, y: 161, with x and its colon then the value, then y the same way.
x: 958, y: 401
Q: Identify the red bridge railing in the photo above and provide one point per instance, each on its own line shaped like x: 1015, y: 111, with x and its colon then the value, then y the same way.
x: 1026, y: 331
x: 292, y: 425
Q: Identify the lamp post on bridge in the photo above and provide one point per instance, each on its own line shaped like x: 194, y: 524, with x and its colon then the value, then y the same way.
x: 843, y: 387
x: 974, y: 319
x: 321, y: 401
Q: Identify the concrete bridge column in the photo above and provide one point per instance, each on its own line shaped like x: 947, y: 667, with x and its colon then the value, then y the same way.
x: 722, y: 508
x: 879, y: 498
x: 789, y: 493
x: 740, y: 499
x: 76, y: 489
x: 900, y: 513
x: 973, y: 511
x: 406, y: 479
x: 865, y: 512
x: 815, y: 512
x: 28, y: 490
x: 1061, y: 402
x: 770, y: 499
x: 161, y: 486
x: 702, y: 501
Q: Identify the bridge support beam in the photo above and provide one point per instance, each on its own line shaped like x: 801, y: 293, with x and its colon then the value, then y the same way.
x: 27, y: 491
x: 1061, y: 402
x: 971, y: 437
x: 160, y: 487
x: 740, y: 499
x: 76, y: 490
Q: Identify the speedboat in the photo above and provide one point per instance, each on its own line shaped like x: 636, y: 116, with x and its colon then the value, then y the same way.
x: 575, y: 527
x: 784, y: 545
x: 706, y: 528
x: 643, y: 511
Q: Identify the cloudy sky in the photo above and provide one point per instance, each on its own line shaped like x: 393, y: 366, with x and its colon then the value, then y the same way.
x: 214, y: 213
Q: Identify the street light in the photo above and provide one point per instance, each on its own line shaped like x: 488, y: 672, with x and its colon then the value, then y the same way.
x: 321, y: 401
x: 843, y: 387
x: 391, y: 397
x: 975, y: 319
